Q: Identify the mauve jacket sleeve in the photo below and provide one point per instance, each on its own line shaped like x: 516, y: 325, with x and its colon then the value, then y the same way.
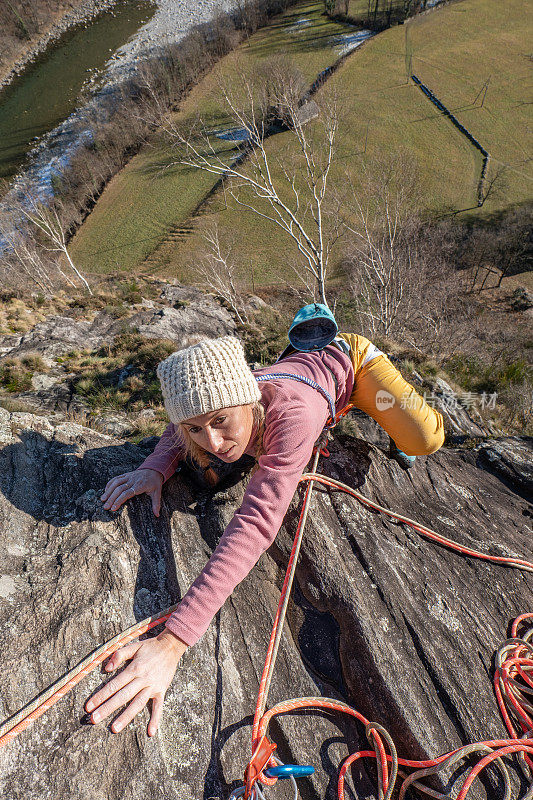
x: 288, y: 447
x: 168, y: 452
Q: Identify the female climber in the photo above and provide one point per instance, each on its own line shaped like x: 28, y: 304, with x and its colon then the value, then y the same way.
x: 219, y: 411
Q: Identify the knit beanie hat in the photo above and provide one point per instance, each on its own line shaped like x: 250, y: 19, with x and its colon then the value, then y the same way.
x: 207, y: 376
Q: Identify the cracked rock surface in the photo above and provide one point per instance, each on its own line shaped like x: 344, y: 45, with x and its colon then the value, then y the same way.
x: 181, y: 314
x: 398, y: 627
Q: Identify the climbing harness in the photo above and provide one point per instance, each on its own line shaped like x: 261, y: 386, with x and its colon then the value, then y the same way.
x: 513, y: 679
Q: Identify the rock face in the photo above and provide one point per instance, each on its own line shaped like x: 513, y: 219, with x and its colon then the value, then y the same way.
x: 400, y: 628
x: 57, y: 335
x: 181, y: 314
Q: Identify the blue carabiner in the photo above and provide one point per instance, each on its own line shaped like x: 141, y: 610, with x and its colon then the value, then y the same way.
x: 288, y: 770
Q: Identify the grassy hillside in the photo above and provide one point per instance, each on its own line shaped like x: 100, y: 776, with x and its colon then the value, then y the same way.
x: 456, y: 51
x: 145, y: 214
x: 143, y: 204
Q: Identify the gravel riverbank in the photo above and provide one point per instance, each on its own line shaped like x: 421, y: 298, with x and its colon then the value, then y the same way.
x: 171, y: 21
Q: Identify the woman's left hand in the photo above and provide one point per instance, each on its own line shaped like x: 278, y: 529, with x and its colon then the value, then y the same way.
x: 147, y: 677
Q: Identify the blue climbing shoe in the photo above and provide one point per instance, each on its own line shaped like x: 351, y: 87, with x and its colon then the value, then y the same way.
x: 405, y: 461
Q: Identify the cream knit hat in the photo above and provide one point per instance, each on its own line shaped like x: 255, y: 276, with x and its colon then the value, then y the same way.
x: 207, y: 376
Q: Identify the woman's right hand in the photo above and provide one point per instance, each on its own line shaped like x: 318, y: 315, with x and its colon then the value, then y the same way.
x: 121, y: 488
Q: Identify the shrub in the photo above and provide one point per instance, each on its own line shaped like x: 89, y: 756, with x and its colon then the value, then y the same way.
x: 266, y: 336
x: 16, y: 373
x: 34, y: 362
x: 511, y: 381
x: 14, y: 376
x: 117, y: 310
x: 148, y: 426
x: 518, y: 401
x: 102, y: 382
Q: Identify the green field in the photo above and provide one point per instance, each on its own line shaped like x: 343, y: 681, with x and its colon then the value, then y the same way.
x: 456, y: 51
x: 143, y: 204
x: 143, y: 220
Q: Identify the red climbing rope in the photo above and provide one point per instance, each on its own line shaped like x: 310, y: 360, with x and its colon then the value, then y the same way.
x: 520, y: 563
x: 513, y: 680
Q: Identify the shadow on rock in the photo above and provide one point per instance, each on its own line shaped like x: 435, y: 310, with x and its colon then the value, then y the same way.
x: 51, y: 481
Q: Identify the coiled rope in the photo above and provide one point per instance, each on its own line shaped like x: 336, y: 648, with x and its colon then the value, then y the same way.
x: 514, y: 660
x: 513, y: 683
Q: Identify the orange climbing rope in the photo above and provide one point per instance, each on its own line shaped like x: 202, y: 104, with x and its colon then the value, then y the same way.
x: 513, y: 682
x: 520, y: 563
x: 37, y: 707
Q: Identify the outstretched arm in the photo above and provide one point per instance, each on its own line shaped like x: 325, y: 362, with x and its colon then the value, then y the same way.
x: 288, y: 443
x: 254, y: 526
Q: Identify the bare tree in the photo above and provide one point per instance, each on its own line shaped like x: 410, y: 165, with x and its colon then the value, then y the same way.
x: 21, y: 260
x: 403, y: 284
x: 217, y: 270
x: 288, y: 190
x: 335, y: 8
x: 382, y: 256
x: 46, y: 219
x: 494, y: 184
x: 24, y: 260
x: 498, y: 249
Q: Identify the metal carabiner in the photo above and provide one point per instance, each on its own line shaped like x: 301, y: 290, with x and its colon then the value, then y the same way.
x: 289, y: 770
x: 238, y: 792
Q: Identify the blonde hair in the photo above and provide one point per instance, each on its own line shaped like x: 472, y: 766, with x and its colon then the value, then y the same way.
x: 201, y: 456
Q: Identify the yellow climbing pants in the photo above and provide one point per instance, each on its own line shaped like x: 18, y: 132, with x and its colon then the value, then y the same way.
x: 382, y: 393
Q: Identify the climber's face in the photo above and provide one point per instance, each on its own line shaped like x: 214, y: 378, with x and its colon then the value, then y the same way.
x: 225, y: 432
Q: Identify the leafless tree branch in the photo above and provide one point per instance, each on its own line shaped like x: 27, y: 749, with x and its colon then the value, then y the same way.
x: 291, y: 198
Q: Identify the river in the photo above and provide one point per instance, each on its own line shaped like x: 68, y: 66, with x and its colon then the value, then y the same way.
x: 61, y: 78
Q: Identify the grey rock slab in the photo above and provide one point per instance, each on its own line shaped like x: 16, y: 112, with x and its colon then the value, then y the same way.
x: 7, y: 343
x: 457, y: 417
x: 56, y: 398
x: 116, y: 425
x: 307, y: 112
x: 255, y: 303
x: 56, y: 335
x: 183, y: 314
x: 42, y: 381
x: 509, y: 457
x: 401, y: 629
x: 185, y: 325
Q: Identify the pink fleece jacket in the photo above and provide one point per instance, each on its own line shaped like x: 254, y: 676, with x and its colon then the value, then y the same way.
x: 295, y: 414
